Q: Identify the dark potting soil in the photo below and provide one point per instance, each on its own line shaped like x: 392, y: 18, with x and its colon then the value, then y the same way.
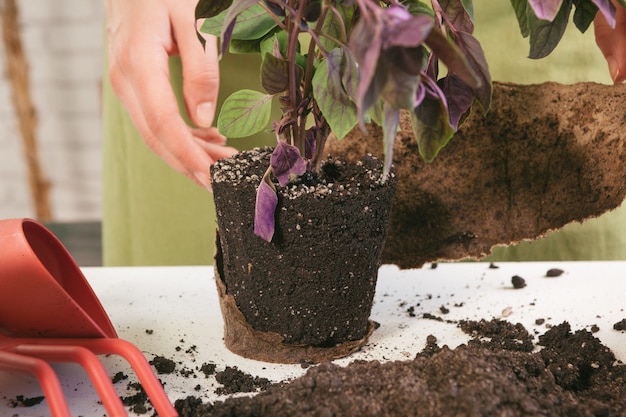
x: 289, y: 288
x: 620, y: 325
x: 498, y: 373
x: 231, y: 380
x: 518, y: 282
x: 163, y: 365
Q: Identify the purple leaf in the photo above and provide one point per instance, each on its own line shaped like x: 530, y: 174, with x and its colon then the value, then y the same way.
x: 265, y: 209
x: 454, y: 59
x: 459, y: 96
x: 431, y: 127
x: 390, y: 129
x: 406, y: 30
x: 476, y: 59
x: 226, y: 35
x: 420, y: 94
x: 274, y: 74
x: 400, y: 89
x: 286, y: 162
x: 546, y: 9
x: 459, y: 14
x: 433, y: 91
x: 410, y: 60
x: 373, y: 92
x: 365, y: 43
x: 607, y: 9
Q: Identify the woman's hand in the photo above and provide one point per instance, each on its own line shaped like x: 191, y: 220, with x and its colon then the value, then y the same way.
x: 612, y: 43
x: 142, y: 34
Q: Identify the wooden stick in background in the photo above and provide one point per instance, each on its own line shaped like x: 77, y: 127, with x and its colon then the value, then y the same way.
x: 17, y: 69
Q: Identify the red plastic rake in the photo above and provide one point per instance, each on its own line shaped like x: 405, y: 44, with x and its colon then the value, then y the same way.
x: 49, y: 313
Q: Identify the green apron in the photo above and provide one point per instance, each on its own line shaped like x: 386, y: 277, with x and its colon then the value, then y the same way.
x: 154, y: 216
x: 151, y: 214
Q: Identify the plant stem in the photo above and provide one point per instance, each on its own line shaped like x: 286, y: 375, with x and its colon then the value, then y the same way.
x: 294, y: 30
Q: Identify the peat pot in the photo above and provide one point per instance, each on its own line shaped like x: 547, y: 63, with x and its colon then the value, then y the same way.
x: 306, y: 295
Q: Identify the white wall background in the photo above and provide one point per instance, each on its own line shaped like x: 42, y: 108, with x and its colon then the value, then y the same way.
x: 63, y: 42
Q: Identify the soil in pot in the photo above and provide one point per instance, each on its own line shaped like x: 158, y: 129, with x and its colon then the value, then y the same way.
x: 307, y: 294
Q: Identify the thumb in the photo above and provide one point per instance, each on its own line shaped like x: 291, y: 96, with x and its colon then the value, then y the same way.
x: 612, y: 43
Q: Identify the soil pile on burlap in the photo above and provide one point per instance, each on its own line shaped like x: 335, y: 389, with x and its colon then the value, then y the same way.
x: 496, y: 374
x: 544, y: 156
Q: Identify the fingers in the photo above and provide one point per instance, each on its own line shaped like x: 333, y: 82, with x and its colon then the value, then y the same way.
x: 200, y: 68
x: 141, y: 39
x: 612, y: 43
x: 210, y: 135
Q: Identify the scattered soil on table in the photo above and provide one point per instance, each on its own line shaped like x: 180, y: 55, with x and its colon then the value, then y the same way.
x: 518, y: 282
x: 498, y: 373
x: 208, y: 369
x: 234, y: 380
x: 21, y: 401
x: 231, y: 380
x: 138, y: 402
x: 163, y: 365
x: 620, y: 325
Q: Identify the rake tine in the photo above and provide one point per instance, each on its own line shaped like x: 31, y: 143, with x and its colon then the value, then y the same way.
x: 88, y: 360
x: 44, y: 373
x: 140, y: 365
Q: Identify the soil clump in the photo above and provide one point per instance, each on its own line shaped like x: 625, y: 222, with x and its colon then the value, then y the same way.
x: 543, y: 156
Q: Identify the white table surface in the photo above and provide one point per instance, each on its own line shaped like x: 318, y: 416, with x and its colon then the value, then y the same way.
x: 178, y: 305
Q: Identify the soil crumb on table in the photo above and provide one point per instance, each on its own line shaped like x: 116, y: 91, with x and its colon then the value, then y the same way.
x: 554, y: 272
x: 498, y: 373
x: 620, y: 325
x: 518, y: 282
x: 163, y: 365
x: 233, y: 380
x: 21, y: 401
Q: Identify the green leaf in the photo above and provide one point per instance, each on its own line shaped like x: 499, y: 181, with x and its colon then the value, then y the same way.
x: 206, y: 9
x: 211, y: 8
x: 376, y: 112
x: 238, y: 46
x: 330, y: 93
x: 418, y: 7
x: 431, y: 127
x: 252, y: 23
x: 213, y: 26
x: 244, y: 113
x: 336, y: 25
x: 545, y: 35
x: 278, y: 40
x: 584, y: 14
x: 521, y: 13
